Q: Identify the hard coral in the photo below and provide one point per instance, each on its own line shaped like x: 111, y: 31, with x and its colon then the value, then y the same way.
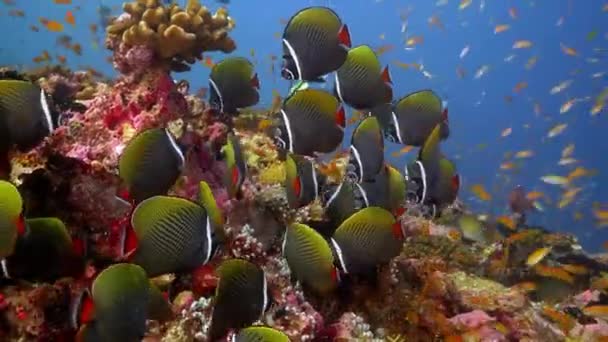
x: 175, y: 35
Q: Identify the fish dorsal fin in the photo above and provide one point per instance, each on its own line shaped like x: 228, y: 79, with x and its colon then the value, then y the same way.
x: 344, y: 36
x: 386, y: 76
x: 207, y: 200
x: 341, y: 117
x: 255, y: 81
x: 430, y: 148
x: 363, y: 56
x: 424, y: 101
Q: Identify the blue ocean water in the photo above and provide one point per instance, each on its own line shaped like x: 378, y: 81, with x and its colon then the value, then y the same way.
x: 478, y: 108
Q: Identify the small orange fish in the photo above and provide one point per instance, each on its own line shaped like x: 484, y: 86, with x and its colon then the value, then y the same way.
x: 521, y: 236
x: 531, y: 62
x: 507, y: 166
x: 519, y: 86
x: 69, y: 18
x: 575, y: 269
x: 384, y: 49
x: 522, y: 44
x: 565, y: 108
x: 464, y: 4
x: 93, y: 28
x: 480, y: 191
x: 507, y: 222
x: 526, y: 286
x: 534, y: 195
x: 600, y: 214
x: 414, y: 41
x: 524, y: 154
x: 554, y: 272
x: 208, y: 62
x: 513, y: 12
x: 52, y: 25
x: 61, y: 59
x: 568, y: 50
x: 63, y: 2
x: 501, y: 28
x: 436, y: 22
x: 403, y: 151
x: 77, y: 48
x: 578, y: 173
x: 564, y: 321
x: 356, y: 117
x: 599, y: 311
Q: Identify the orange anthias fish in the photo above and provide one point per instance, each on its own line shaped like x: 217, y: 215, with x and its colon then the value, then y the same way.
x: 52, y: 25
x: 413, y: 41
x: 480, y: 192
x: 403, y: 151
x: 69, y: 18
x: 501, y: 28
x: 568, y: 50
x: 520, y: 86
x: 384, y: 49
x: 522, y: 44
x: 63, y: 2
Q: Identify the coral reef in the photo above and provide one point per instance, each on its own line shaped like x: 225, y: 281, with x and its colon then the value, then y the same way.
x: 149, y: 32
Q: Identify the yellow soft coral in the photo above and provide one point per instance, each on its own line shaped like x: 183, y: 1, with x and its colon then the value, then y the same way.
x: 177, y: 35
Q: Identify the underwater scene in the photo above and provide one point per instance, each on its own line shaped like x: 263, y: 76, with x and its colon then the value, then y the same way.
x: 303, y: 170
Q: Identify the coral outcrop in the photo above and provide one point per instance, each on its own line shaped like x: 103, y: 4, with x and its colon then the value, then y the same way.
x: 175, y: 35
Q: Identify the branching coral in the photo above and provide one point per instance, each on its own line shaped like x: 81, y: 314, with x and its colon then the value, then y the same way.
x: 178, y: 36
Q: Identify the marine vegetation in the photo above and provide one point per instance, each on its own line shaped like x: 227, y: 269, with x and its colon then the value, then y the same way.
x: 133, y: 209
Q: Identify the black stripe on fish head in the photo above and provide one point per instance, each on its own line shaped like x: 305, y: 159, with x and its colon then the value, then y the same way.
x: 283, y: 135
x: 315, y: 181
x: 179, y: 153
x: 209, y: 240
x: 76, y: 307
x: 329, y: 194
x: 338, y: 88
x: 266, y: 295
x: 47, y: 111
x: 339, y: 257
x: 361, y: 199
x: 216, y: 101
x: 392, y: 132
x: 415, y: 177
x: 284, y: 243
x: 424, y: 180
x: 354, y: 170
x: 292, y: 62
x: 5, y: 269
x: 288, y: 68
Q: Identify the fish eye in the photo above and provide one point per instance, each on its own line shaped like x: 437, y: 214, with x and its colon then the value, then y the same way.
x: 351, y: 175
x: 412, y: 196
x: 280, y: 143
x: 286, y: 74
x: 359, y: 204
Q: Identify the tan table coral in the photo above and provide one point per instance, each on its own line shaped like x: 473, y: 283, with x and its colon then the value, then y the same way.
x: 177, y: 35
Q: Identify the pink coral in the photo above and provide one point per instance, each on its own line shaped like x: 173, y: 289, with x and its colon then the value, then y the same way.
x: 472, y: 320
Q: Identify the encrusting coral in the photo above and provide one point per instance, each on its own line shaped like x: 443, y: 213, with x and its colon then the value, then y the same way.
x: 177, y: 35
